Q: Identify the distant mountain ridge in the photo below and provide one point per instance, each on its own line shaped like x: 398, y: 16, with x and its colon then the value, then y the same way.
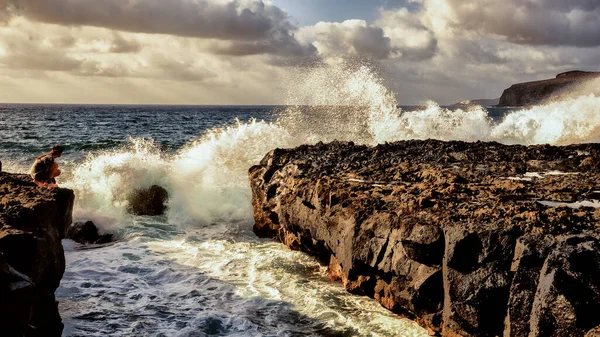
x: 537, y: 92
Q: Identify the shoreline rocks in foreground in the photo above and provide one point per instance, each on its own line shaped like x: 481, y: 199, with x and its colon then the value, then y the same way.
x: 32, y: 261
x: 468, y: 239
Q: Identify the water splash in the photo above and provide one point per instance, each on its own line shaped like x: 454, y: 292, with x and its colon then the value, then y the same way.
x: 207, y: 179
x: 571, y: 121
x: 345, y: 101
x: 243, y: 282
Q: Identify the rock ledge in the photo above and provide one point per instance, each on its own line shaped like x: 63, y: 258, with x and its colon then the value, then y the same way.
x: 468, y: 239
x: 32, y: 261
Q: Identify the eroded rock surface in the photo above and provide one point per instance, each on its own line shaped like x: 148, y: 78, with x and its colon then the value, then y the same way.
x: 148, y: 201
x: 32, y: 261
x: 462, y: 237
x: 86, y: 232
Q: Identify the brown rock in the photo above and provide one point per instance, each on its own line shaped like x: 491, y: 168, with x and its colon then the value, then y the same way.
x: 441, y: 232
x: 32, y: 262
x: 149, y: 201
x: 86, y: 232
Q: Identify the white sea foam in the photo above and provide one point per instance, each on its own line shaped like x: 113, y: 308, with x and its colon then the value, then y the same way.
x: 207, y: 179
x: 571, y: 121
x: 157, y: 280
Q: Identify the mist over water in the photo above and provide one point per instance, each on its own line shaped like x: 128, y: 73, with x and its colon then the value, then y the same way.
x: 199, y: 270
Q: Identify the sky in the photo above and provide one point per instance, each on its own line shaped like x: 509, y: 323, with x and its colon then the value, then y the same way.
x: 248, y: 51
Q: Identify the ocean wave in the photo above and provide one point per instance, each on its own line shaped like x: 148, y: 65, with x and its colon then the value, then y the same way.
x: 207, y: 178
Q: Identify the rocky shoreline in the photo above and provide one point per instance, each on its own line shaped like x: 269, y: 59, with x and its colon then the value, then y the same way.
x: 468, y: 239
x: 33, y: 222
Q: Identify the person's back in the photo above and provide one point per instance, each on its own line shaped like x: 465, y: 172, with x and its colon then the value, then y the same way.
x: 44, y: 169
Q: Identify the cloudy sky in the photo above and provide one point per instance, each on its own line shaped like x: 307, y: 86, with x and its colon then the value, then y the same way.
x: 244, y: 51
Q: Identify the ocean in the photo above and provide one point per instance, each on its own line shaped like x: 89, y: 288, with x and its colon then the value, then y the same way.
x: 199, y: 270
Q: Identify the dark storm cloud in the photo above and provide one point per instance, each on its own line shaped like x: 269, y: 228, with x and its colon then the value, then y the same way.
x: 535, y: 22
x: 234, y: 20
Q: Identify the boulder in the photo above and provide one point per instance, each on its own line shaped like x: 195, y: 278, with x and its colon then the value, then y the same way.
x: 454, y: 235
x: 86, y: 233
x: 32, y: 261
x: 148, y: 201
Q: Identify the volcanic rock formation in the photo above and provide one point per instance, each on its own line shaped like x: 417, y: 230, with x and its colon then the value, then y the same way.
x: 148, y: 201
x: 537, y: 92
x: 86, y: 232
x: 32, y: 260
x: 468, y: 239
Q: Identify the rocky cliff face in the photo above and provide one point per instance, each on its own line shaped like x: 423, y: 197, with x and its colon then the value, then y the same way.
x: 462, y: 237
x: 32, y: 261
x: 532, y: 93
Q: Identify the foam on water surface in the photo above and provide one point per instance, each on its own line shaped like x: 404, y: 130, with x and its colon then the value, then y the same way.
x: 194, y: 283
x: 199, y: 270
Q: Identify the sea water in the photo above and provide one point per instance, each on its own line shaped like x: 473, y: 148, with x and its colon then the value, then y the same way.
x: 199, y: 270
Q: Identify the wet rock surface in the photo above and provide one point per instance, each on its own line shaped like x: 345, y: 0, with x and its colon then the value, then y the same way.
x: 468, y: 239
x: 148, y: 201
x: 32, y: 223
x: 86, y: 232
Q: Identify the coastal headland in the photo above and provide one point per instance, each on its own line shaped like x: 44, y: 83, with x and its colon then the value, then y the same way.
x: 468, y: 239
x: 543, y: 91
x: 33, y: 222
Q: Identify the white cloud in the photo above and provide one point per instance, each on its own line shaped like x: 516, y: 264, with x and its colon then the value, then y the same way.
x: 234, y: 51
x: 410, y: 38
x: 531, y: 22
x: 351, y: 37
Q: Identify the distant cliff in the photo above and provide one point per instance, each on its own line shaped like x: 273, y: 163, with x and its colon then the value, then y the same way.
x: 32, y: 260
x: 531, y: 93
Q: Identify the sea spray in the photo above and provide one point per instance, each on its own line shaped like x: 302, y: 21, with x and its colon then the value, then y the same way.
x: 103, y: 181
x: 570, y: 121
x: 435, y: 122
x: 207, y: 178
x: 345, y: 101
x: 200, y: 270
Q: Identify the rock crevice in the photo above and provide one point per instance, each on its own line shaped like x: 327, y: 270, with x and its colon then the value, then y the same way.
x: 32, y: 224
x: 454, y: 235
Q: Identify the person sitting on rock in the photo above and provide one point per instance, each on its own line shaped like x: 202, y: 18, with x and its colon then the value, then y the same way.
x: 44, y: 169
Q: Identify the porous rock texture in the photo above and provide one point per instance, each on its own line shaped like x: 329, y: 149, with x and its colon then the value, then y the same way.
x: 148, y: 201
x: 86, y: 232
x: 457, y: 236
x: 32, y: 261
